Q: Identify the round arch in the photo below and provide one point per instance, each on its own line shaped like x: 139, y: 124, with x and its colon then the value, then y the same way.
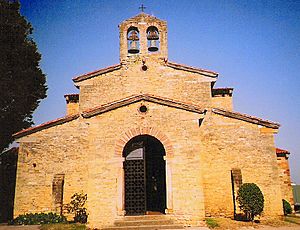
x: 151, y: 131
x: 144, y: 176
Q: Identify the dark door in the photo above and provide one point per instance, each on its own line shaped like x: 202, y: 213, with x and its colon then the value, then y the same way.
x: 145, y: 176
x: 135, y: 190
x: 156, y: 183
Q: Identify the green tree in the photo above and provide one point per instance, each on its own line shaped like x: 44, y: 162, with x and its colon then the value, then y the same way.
x: 22, y: 82
x: 251, y: 200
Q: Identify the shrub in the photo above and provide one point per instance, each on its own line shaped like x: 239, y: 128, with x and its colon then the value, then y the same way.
x: 76, y: 206
x: 251, y: 200
x: 38, y: 218
x: 287, y: 208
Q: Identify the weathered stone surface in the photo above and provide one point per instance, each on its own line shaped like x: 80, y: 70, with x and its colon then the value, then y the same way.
x: 202, y: 146
x: 285, y: 175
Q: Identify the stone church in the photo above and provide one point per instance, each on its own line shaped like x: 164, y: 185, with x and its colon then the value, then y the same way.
x: 149, y: 137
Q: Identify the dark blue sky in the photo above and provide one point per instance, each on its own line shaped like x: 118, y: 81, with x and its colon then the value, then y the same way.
x: 253, y: 45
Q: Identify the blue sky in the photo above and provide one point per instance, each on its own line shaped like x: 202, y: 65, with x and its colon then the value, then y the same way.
x: 253, y: 45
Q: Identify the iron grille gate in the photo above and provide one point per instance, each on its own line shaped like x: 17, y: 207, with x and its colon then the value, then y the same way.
x: 135, y: 190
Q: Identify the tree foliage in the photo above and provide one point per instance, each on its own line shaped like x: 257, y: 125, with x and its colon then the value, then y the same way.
x: 287, y: 208
x: 251, y: 200
x: 38, y: 218
x: 22, y: 82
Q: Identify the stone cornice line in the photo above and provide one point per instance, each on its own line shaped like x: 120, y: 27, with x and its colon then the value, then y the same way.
x: 46, y: 125
x: 96, y: 73
x: 192, y: 69
x: 244, y: 117
x: 167, y: 63
x: 146, y: 97
x: 150, y: 98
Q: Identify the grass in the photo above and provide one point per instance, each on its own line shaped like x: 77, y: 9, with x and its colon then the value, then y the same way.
x: 63, y: 227
x: 227, y: 223
x: 211, y: 223
x: 292, y: 219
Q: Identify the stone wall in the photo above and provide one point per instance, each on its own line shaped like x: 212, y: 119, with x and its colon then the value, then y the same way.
x: 42, y: 155
x: 199, y: 159
x: 285, y: 178
x: 233, y: 144
x: 222, y: 103
x: 159, y: 80
x: 110, y: 132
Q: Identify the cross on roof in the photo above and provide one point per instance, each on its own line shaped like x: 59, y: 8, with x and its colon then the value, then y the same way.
x: 142, y: 7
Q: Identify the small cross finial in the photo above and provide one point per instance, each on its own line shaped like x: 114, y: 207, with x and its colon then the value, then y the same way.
x: 142, y: 7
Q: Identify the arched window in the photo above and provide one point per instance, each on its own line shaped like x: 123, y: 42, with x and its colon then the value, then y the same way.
x: 133, y: 38
x: 153, y: 39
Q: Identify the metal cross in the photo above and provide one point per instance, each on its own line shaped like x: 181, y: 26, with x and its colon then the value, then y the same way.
x: 142, y: 7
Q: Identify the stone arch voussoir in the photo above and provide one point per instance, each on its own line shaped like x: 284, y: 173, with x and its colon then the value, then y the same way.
x: 152, y: 131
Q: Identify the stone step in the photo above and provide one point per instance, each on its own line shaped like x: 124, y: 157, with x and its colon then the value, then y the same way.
x: 145, y: 217
x: 143, y: 222
x: 145, y: 227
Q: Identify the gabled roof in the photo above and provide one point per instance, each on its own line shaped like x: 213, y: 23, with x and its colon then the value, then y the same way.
x: 46, y: 125
x: 110, y: 106
x: 282, y: 153
x: 192, y: 69
x: 150, y: 98
x: 96, y: 73
x: 141, y: 16
x: 168, y: 63
x: 245, y: 117
x: 146, y: 97
x: 279, y: 151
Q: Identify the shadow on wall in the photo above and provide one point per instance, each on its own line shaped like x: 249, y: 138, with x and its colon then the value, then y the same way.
x: 8, y: 169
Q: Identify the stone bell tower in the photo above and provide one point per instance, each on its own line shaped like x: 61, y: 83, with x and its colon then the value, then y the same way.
x: 143, y: 36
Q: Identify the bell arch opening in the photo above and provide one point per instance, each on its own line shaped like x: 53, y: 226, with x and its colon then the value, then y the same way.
x: 153, y: 39
x: 144, y: 176
x: 133, y: 43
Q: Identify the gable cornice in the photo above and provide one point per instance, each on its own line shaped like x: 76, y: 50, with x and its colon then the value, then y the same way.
x: 146, y: 97
x: 46, y: 125
x: 178, y: 66
x: 96, y: 73
x: 245, y: 117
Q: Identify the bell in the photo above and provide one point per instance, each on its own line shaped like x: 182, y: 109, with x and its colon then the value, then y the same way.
x: 152, y: 35
x: 153, y: 47
x: 133, y: 48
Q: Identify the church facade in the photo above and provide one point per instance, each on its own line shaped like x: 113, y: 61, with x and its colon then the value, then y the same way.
x: 148, y: 136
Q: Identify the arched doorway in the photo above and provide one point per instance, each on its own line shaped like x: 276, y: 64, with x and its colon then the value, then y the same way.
x: 145, y: 176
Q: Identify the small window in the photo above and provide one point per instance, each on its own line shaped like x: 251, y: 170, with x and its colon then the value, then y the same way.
x: 143, y: 109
